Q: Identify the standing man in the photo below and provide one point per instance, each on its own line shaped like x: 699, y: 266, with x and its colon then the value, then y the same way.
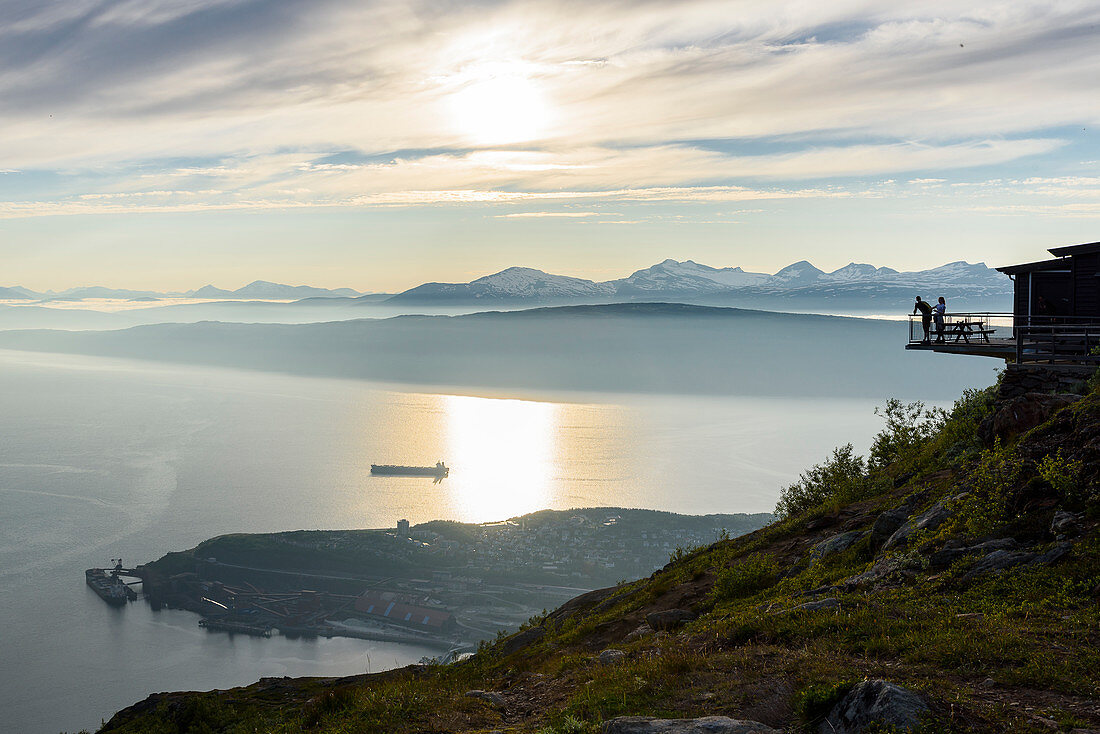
x: 925, y: 318
x: 940, y: 310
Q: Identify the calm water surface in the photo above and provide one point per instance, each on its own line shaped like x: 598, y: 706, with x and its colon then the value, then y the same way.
x: 101, y: 458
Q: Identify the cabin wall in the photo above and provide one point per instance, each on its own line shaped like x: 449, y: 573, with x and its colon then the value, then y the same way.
x: 1056, y: 286
x: 1086, y: 284
x: 1019, y: 297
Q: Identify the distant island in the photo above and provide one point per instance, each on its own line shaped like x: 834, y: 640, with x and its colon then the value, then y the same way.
x: 443, y: 584
x: 666, y: 348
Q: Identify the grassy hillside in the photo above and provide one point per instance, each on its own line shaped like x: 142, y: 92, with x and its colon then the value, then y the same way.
x: 960, y: 565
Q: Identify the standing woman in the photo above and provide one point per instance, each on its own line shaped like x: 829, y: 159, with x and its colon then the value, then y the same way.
x: 938, y: 312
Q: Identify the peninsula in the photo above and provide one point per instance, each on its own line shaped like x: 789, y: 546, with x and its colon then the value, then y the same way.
x: 443, y: 584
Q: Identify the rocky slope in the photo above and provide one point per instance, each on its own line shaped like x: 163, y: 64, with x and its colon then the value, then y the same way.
x: 949, y: 582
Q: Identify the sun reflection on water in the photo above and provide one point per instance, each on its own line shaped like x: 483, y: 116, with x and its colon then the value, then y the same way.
x: 502, y: 455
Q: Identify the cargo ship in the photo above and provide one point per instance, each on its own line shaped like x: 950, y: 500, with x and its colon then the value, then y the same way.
x: 110, y: 588
x: 438, y: 471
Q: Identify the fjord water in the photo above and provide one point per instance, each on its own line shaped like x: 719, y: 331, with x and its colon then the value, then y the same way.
x: 101, y: 458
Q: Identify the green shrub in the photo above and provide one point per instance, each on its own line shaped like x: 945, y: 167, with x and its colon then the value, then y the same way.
x: 1064, y: 476
x: 754, y: 573
x: 813, y: 704
x: 960, y: 433
x: 983, y: 509
x: 909, y: 426
x: 843, y: 475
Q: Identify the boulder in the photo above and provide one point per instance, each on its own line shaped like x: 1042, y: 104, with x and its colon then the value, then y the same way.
x: 875, y: 702
x: 1066, y: 523
x: 521, y: 640
x: 886, y: 524
x: 704, y: 725
x: 491, y: 697
x: 1002, y: 560
x: 668, y: 619
x: 828, y: 602
x: 611, y: 657
x: 835, y: 544
x: 930, y: 519
x: 1017, y: 415
x: 894, y: 568
x: 952, y: 552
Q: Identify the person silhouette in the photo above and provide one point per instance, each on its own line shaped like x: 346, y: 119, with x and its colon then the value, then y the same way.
x: 939, y: 311
x: 925, y: 318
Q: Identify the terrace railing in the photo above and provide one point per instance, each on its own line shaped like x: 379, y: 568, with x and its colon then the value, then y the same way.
x: 964, y: 328
x: 1057, y: 339
x: 1049, y: 339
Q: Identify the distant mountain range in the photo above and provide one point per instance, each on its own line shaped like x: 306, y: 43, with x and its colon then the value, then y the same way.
x: 674, y: 280
x: 856, y: 284
x: 260, y: 290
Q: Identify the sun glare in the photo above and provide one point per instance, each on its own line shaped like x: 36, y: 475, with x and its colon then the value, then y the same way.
x: 503, y: 455
x: 500, y: 108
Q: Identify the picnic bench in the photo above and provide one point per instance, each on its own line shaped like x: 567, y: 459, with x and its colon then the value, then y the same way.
x: 966, y: 329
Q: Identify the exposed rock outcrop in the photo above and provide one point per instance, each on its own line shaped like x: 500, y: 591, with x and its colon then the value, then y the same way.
x: 1066, y: 523
x: 954, y: 550
x: 1022, y: 413
x: 493, y: 698
x: 668, y: 619
x: 875, y: 702
x: 611, y: 656
x: 835, y: 544
x: 1003, y: 560
x: 930, y: 519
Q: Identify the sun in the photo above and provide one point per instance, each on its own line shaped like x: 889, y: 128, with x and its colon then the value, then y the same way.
x: 500, y: 108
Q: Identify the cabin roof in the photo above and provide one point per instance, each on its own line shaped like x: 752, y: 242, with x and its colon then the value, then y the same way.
x: 1059, y: 263
x: 1086, y: 249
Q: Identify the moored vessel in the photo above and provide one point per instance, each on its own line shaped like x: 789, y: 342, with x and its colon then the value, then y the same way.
x: 109, y: 588
x: 439, y: 470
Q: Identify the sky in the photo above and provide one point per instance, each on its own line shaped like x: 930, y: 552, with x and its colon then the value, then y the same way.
x: 166, y: 144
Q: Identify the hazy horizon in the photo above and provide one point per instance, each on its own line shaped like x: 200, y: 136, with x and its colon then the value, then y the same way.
x: 365, y: 290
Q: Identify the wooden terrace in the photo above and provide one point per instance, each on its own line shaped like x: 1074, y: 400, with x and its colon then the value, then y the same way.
x: 984, y: 334
x: 1019, y: 339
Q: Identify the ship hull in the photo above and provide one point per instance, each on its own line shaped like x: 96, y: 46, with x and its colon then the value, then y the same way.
x: 114, y: 593
x: 408, y: 471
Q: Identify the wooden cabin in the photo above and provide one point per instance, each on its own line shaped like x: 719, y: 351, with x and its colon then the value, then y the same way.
x: 1055, y: 317
x: 1065, y: 287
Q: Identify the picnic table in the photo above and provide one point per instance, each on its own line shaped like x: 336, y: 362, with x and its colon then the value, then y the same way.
x: 966, y: 328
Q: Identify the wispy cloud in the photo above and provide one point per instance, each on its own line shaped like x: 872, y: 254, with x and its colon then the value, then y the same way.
x: 541, y: 215
x: 206, y: 77
x: 171, y: 106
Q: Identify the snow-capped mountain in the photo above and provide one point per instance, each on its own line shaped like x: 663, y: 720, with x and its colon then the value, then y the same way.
x: 692, y: 281
x: 512, y: 284
x: 795, y: 274
x: 959, y: 272
x: 688, y: 276
x: 857, y: 271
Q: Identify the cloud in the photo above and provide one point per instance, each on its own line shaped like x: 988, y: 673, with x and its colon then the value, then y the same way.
x: 250, y: 103
x: 138, y: 202
x: 540, y: 215
x: 216, y: 76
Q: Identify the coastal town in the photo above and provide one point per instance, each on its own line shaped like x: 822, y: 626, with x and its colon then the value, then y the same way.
x: 441, y: 584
